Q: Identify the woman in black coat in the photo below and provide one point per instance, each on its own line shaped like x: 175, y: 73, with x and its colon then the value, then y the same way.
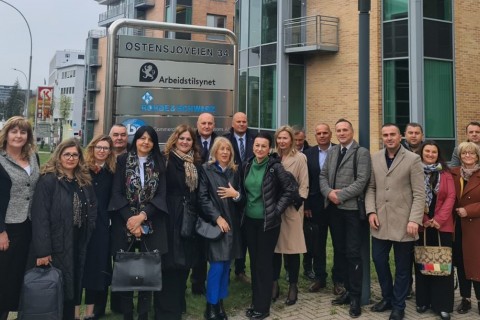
x: 269, y: 190
x: 101, y: 162
x: 65, y: 211
x: 220, y: 199
x: 139, y: 205
x: 183, y: 164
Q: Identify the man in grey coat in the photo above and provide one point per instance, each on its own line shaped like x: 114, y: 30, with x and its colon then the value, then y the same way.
x: 395, y: 202
x: 341, y: 189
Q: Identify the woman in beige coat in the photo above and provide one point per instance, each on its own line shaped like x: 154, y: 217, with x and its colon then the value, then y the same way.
x: 291, y: 242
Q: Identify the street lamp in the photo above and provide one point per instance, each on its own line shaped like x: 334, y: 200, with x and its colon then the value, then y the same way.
x: 30, y: 64
x: 27, y: 94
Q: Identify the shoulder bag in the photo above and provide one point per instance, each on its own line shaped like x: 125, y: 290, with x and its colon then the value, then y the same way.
x: 208, y: 230
x: 189, y: 219
x: 433, y: 260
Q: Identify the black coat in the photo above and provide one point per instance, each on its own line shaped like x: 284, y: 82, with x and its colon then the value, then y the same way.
x: 98, y: 266
x: 248, y: 140
x: 279, y: 188
x: 182, y: 252
x: 229, y: 246
x: 53, y: 229
x: 156, y: 211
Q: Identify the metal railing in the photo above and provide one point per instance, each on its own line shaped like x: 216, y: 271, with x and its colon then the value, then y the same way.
x: 117, y: 11
x: 312, y: 32
x: 93, y: 86
x: 96, y: 33
x: 144, y: 3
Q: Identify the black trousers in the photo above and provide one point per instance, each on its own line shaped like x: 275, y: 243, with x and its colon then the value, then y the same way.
x: 12, y: 264
x: 261, y: 245
x: 169, y: 302
x: 318, y: 261
x: 434, y: 291
x: 240, y: 262
x: 464, y: 283
x: 346, y: 238
x: 199, y: 270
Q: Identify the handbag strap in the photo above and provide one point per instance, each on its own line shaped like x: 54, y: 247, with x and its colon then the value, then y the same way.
x: 136, y: 240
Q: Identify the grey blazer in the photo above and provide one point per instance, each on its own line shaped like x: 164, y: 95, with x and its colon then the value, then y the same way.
x: 350, y: 188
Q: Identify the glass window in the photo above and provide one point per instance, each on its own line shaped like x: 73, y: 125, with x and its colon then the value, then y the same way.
x: 395, y: 39
x: 395, y: 9
x: 269, y: 53
x: 253, y: 96
x: 396, y: 92
x: 297, y: 8
x: 242, y: 91
x: 437, y: 39
x: 268, y: 98
x: 438, y: 9
x: 438, y: 99
x: 243, y: 61
x: 216, y: 22
x: 244, y: 24
x: 254, y: 56
x: 269, y: 21
x: 296, y: 95
x: 255, y: 23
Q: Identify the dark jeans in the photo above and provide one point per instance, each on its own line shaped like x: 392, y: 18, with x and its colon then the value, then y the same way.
x: 394, y: 292
x: 434, y: 291
x: 346, y: 239
x: 318, y: 261
x: 261, y: 245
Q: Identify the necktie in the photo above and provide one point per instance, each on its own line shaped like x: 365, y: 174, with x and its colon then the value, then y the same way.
x: 242, y: 149
x: 205, y: 151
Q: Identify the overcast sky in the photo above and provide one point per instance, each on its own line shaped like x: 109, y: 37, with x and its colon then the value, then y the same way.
x: 55, y: 25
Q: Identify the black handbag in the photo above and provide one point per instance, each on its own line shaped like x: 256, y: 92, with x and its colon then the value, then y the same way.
x: 208, y: 230
x: 189, y: 219
x: 362, y: 212
x: 137, y: 271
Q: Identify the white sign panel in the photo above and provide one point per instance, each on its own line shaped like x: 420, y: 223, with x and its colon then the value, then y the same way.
x: 170, y: 74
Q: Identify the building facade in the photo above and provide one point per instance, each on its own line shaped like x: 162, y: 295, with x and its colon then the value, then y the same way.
x: 299, y: 64
x: 214, y: 13
x: 67, y: 77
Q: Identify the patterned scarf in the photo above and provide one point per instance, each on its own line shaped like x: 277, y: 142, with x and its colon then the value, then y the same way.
x: 467, y: 173
x: 431, y: 177
x: 137, y: 196
x: 191, y: 174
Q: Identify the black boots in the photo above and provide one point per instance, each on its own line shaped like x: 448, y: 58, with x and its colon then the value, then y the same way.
x: 215, y: 311
x: 220, y: 310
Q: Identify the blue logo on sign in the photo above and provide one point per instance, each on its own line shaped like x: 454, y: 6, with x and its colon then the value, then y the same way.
x: 147, y: 97
x: 132, y: 125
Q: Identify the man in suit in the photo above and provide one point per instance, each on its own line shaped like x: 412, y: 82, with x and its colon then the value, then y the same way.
x: 413, y: 136
x: 242, y: 141
x: 314, y: 263
x: 341, y: 188
x: 395, y: 202
x: 473, y: 135
x: 241, y: 138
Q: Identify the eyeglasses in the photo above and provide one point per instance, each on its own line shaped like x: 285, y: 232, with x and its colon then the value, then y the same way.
x: 468, y: 153
x: 100, y: 148
x: 68, y: 156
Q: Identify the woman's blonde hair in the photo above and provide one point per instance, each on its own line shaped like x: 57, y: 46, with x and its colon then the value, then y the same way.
x: 292, y: 150
x: 217, y: 143
x: 172, y: 140
x: 53, y: 164
x: 111, y: 160
x: 16, y: 121
x: 469, y: 147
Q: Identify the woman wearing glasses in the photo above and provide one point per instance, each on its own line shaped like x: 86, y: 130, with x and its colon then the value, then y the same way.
x: 64, y: 215
x: 101, y: 162
x: 139, y: 208
x: 467, y: 225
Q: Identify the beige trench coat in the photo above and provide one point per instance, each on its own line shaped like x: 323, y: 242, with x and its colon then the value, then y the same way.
x: 291, y: 239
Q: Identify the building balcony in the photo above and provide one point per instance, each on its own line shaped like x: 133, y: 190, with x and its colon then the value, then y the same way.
x: 144, y: 4
x: 94, y: 61
x: 114, y: 13
x: 96, y: 33
x: 91, y: 115
x: 107, y: 2
x: 93, y: 86
x: 311, y: 34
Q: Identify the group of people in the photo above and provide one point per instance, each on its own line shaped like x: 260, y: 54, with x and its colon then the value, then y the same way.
x: 81, y: 207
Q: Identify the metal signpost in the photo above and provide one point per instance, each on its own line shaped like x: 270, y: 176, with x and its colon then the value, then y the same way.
x: 166, y: 82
